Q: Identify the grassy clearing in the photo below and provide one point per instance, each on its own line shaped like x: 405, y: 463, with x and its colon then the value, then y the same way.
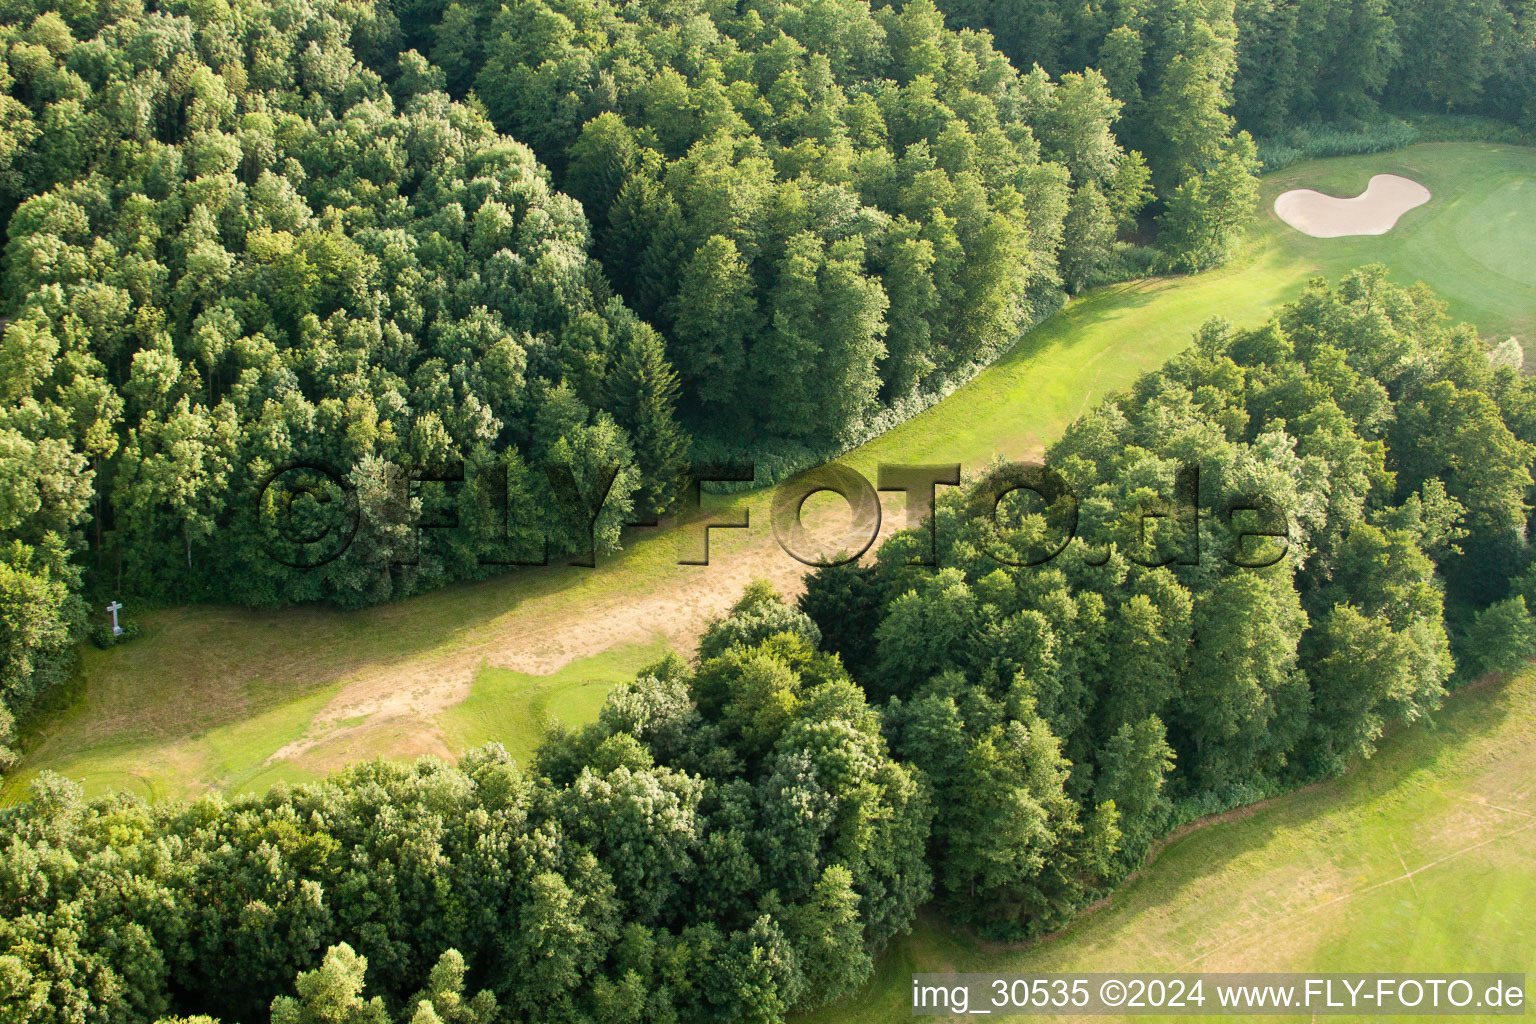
x: 1318, y: 880
x: 515, y: 708
x: 173, y: 712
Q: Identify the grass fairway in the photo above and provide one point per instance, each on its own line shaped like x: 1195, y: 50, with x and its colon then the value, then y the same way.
x: 174, y: 712
x: 515, y: 709
x: 1419, y: 860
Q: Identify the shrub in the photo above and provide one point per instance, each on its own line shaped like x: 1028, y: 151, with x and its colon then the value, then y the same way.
x: 1501, y: 638
x: 102, y: 636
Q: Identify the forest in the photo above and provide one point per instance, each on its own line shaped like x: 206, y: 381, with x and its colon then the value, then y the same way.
x: 243, y: 240
x: 738, y: 836
x: 1286, y: 62
x: 575, y: 245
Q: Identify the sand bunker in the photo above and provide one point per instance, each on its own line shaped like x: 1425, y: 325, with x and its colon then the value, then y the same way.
x: 1372, y: 212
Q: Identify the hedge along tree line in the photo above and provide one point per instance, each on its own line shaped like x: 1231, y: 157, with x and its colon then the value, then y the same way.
x: 1131, y: 682
x: 232, y: 248
x: 737, y: 838
x: 729, y: 841
x: 824, y: 207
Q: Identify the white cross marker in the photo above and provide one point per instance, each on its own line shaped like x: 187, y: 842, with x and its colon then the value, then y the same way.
x: 113, y: 608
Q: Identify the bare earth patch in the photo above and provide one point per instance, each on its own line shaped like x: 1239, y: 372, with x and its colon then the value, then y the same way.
x: 1373, y: 212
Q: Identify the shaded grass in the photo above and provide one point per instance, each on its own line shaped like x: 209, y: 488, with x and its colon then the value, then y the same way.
x: 169, y: 712
x: 1315, y: 880
x: 516, y: 709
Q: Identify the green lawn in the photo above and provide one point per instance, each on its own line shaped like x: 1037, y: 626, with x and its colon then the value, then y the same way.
x: 1474, y: 241
x: 515, y: 708
x: 225, y: 698
x: 1419, y: 860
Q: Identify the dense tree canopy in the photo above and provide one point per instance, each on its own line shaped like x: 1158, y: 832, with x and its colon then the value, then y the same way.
x: 290, y: 285
x: 729, y: 841
x: 822, y: 206
x: 1170, y: 66
x: 1278, y: 62
x: 267, y: 258
x: 233, y: 251
x: 1148, y: 670
x: 276, y: 305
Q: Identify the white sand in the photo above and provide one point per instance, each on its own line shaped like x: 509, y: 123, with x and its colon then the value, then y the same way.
x: 1372, y: 212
